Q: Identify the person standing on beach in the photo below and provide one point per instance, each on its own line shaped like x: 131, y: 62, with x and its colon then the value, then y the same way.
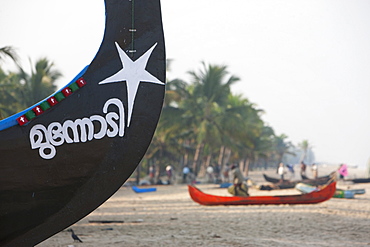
x: 303, y: 170
x: 343, y: 171
x: 169, y: 173
x: 185, y: 172
x: 281, y: 171
x: 315, y: 171
x: 151, y: 174
x: 210, y: 172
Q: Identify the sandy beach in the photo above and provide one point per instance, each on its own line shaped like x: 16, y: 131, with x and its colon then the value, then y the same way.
x: 169, y: 217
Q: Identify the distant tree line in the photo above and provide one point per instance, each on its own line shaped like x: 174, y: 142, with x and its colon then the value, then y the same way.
x: 203, y: 123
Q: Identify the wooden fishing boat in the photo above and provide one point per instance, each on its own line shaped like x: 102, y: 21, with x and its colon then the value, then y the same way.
x: 287, y: 184
x: 66, y: 155
x: 359, y: 180
x: 339, y: 193
x: 277, y: 180
x: 309, y: 198
x: 273, y: 180
x: 358, y: 191
x: 304, y: 176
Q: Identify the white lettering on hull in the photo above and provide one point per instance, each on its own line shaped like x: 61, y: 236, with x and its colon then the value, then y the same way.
x: 79, y: 130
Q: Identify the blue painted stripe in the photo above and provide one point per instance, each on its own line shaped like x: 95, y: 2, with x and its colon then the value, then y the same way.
x: 12, y: 120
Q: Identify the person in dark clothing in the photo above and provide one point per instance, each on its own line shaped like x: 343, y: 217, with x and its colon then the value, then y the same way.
x: 303, y: 169
x: 238, y: 180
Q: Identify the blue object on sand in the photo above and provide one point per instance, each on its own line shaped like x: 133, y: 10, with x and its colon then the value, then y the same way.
x: 358, y: 191
x: 143, y: 190
x: 225, y: 185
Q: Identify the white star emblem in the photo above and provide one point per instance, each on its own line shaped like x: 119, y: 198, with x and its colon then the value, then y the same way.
x: 133, y: 72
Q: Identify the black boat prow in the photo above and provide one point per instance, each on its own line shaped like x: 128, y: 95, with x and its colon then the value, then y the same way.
x: 65, y: 156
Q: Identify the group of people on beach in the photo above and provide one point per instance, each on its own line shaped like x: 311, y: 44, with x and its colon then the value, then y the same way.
x: 154, y: 175
x: 282, y: 170
x: 314, y: 169
x: 215, y: 175
x: 232, y: 174
x: 342, y: 170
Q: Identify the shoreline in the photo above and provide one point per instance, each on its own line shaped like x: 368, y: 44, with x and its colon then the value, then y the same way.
x: 169, y: 217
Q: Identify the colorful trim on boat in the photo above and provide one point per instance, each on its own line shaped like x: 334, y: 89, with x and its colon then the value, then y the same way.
x: 13, y: 120
x: 51, y: 101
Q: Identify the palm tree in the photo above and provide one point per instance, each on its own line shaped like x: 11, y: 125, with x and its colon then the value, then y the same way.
x: 204, y: 121
x: 8, y: 101
x: 265, y: 145
x: 207, y: 101
x: 21, y: 90
x: 192, y: 114
x: 8, y: 51
x: 40, y: 83
x: 282, y: 147
x: 167, y: 144
x: 241, y: 125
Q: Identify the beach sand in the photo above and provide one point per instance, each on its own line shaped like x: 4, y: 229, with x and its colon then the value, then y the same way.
x: 169, y: 217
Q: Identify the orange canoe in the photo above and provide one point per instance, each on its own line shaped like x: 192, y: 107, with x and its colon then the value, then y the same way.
x: 309, y: 198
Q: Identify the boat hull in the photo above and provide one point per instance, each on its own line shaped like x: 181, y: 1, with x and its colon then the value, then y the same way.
x: 359, y: 180
x: 310, y: 198
x: 42, y: 194
x: 287, y: 184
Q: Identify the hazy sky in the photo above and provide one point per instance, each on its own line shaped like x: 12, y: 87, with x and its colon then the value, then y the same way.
x: 305, y: 63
